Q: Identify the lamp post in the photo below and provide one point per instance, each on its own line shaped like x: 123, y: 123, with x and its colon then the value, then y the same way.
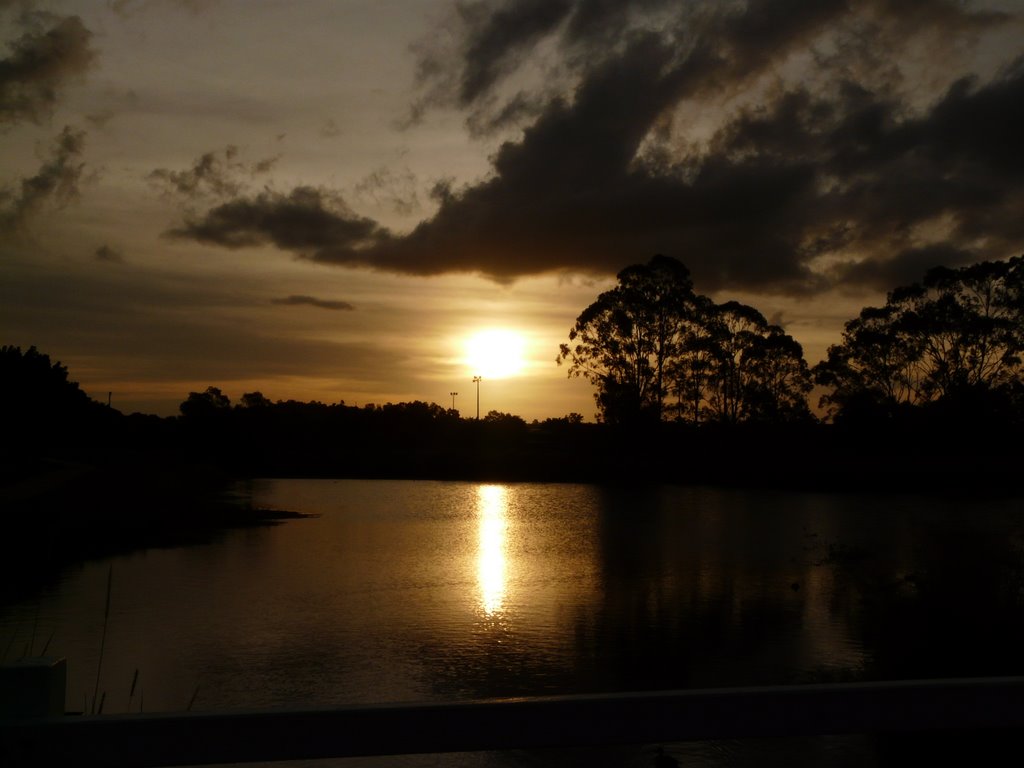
x: 477, y: 380
x: 453, y: 394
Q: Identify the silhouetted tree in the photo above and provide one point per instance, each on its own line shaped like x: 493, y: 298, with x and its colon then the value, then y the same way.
x: 652, y: 335
x: 955, y: 336
x: 877, y: 366
x: 569, y: 420
x: 43, y: 412
x: 625, y: 341
x: 506, y: 420
x: 691, y: 372
x: 40, y: 409
x: 753, y: 371
x: 254, y: 400
x: 30, y: 382
x: 414, y: 412
x: 204, y: 405
x: 735, y: 329
x: 778, y: 378
x: 212, y: 424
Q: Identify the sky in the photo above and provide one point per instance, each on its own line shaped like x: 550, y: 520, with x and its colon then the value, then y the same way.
x: 327, y: 200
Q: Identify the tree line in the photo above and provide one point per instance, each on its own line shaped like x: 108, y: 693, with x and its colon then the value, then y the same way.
x: 940, y: 361
x: 947, y: 346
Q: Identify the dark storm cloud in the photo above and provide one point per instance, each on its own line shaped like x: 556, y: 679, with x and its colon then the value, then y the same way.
x: 847, y: 164
x: 56, y: 181
x: 959, y: 164
x: 310, y: 222
x: 519, y: 109
x: 497, y: 36
x: 51, y: 52
x: 878, y: 180
x: 570, y: 194
x: 313, y: 302
x: 905, y: 267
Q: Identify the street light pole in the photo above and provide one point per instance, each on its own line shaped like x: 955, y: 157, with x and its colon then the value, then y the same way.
x: 453, y: 394
x: 477, y: 380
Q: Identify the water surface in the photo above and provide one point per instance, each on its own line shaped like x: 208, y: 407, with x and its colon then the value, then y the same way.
x: 412, y: 590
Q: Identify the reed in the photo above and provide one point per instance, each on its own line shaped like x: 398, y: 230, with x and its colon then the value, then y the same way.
x: 131, y: 693
x: 103, y: 640
x: 99, y: 698
x: 192, y: 701
x: 48, y: 641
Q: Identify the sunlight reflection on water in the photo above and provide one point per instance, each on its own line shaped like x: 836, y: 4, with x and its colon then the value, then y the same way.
x: 492, y: 566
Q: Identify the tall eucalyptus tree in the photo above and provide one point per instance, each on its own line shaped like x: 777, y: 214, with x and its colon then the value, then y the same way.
x: 956, y: 334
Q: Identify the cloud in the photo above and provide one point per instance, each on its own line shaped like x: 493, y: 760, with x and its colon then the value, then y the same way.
x: 906, y: 267
x: 48, y: 55
x: 311, y: 222
x: 495, y: 39
x: 384, y: 187
x: 109, y: 255
x: 313, y: 302
x: 211, y: 175
x: 56, y: 180
x: 770, y: 145
x: 266, y: 165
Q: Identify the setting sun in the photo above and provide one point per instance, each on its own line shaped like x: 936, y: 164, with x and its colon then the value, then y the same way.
x: 495, y: 353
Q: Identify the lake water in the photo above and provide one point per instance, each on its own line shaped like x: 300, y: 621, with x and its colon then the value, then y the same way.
x: 411, y: 591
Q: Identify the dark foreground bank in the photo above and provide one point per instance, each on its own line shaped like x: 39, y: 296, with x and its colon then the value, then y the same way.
x: 57, y: 513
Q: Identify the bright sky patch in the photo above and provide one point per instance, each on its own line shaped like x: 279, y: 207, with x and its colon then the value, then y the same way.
x: 495, y: 353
